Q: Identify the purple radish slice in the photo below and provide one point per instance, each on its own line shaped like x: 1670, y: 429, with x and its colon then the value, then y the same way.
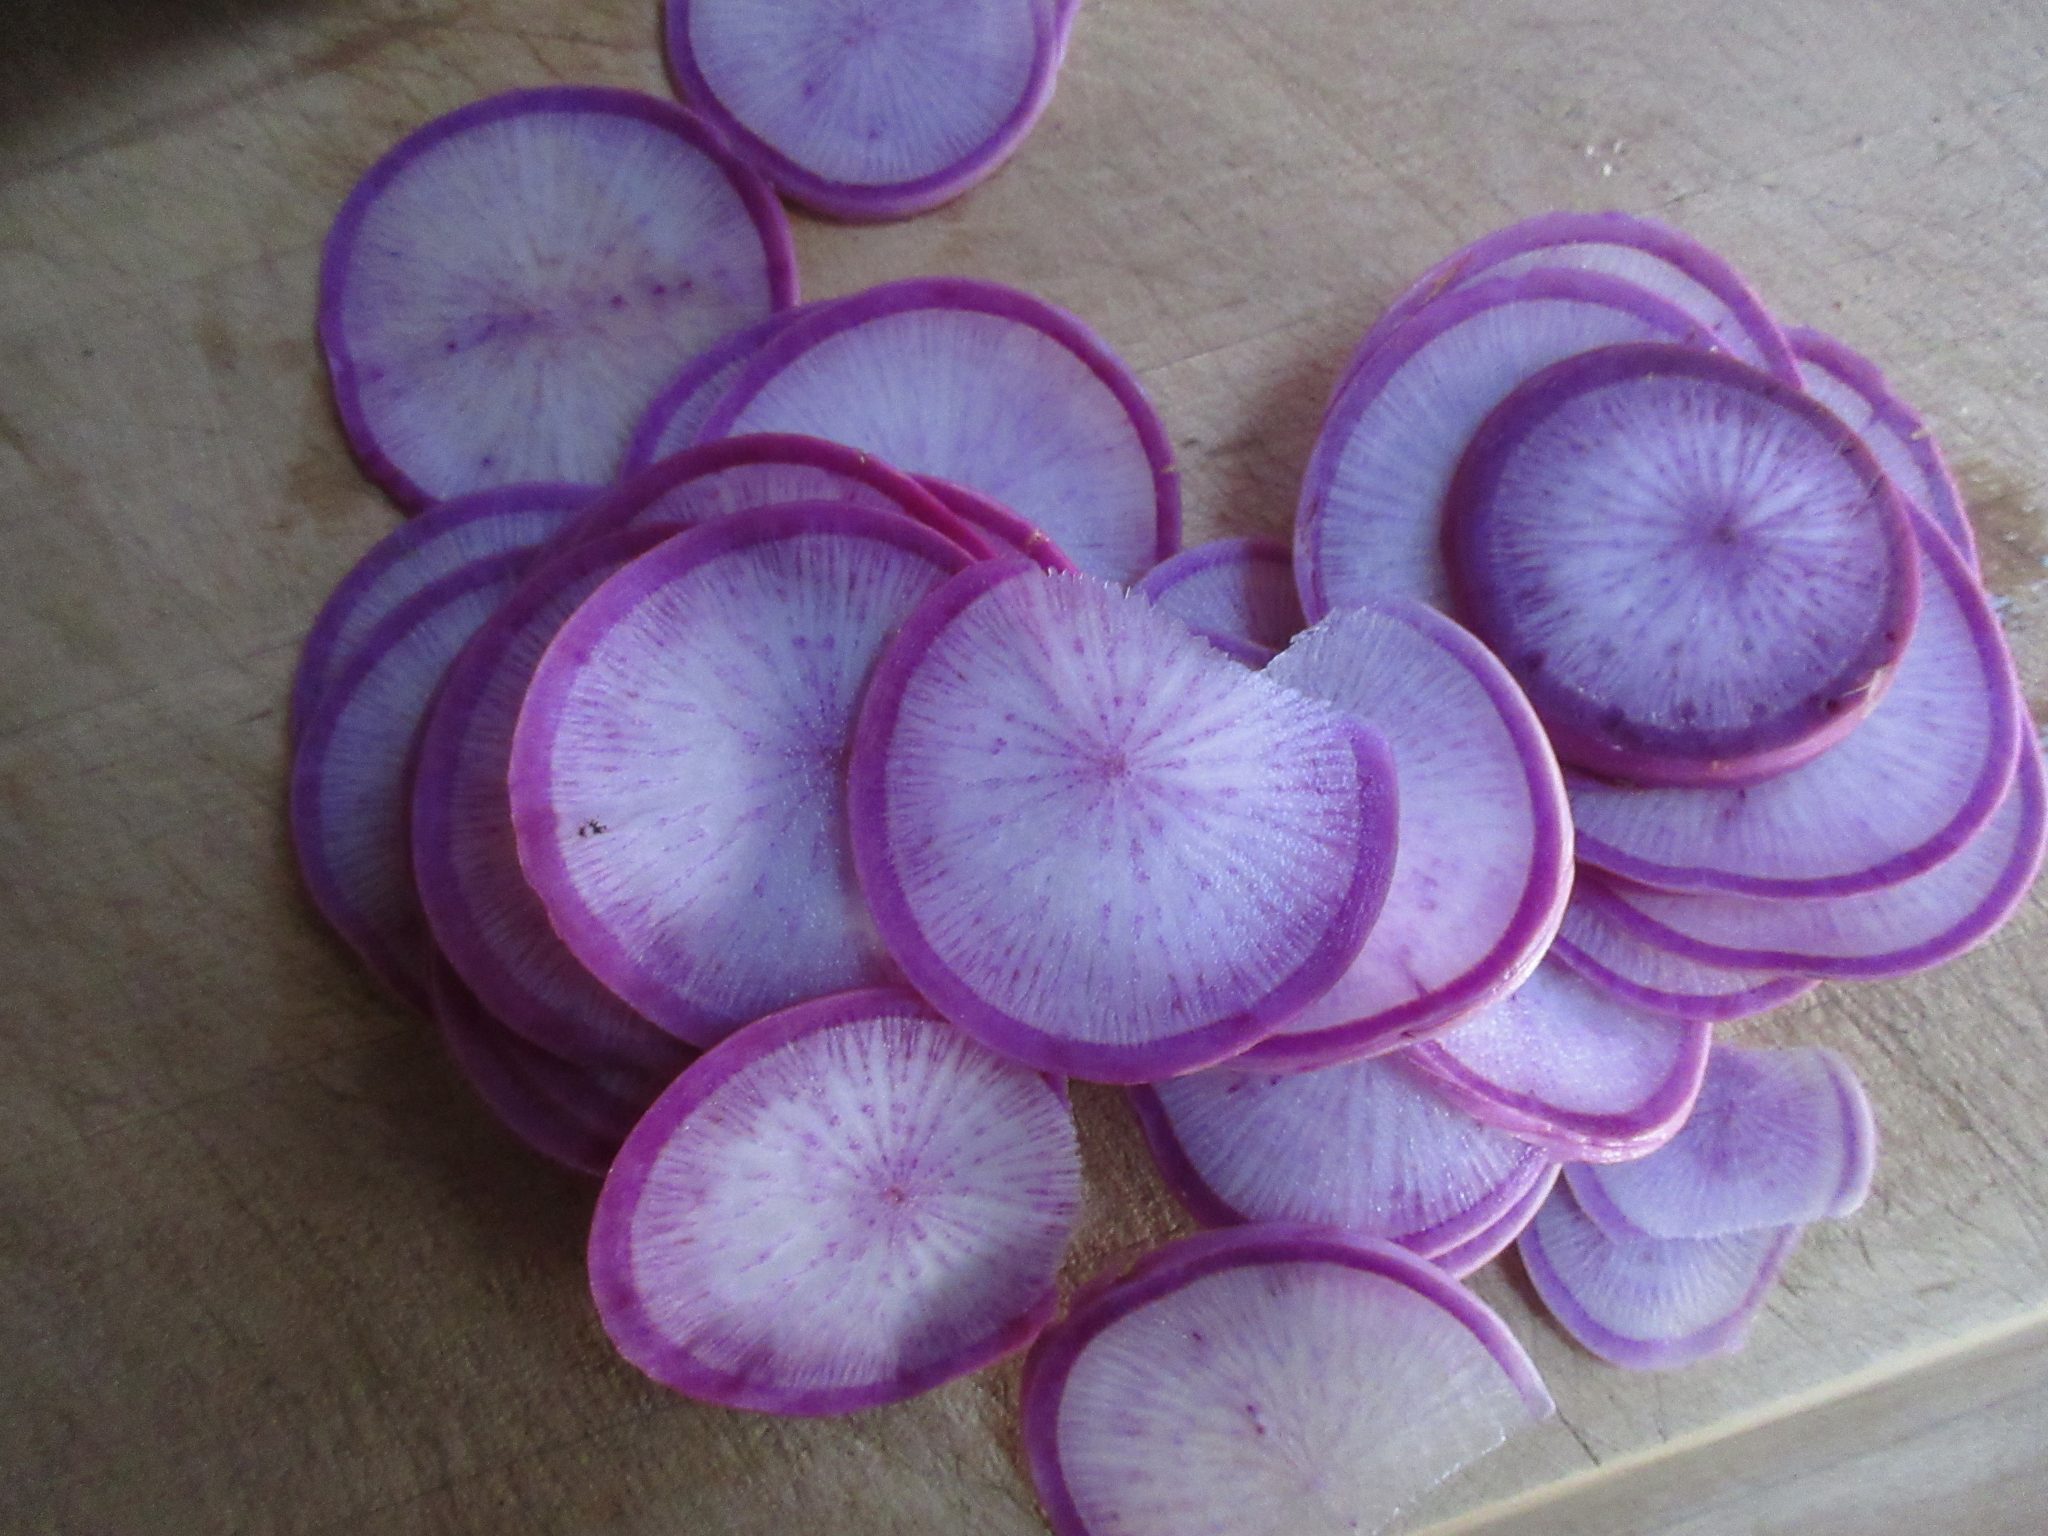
x: 1238, y: 594
x: 1571, y: 1068
x: 1650, y: 1304
x: 1778, y: 1138
x: 1483, y: 1247
x: 677, y: 768
x: 1698, y: 575
x: 1911, y: 785
x: 988, y: 387
x: 1096, y: 844
x: 1484, y: 858
x: 352, y: 770
x: 1597, y: 943
x: 679, y: 412
x: 845, y: 1204
x: 1369, y: 524
x: 507, y: 288
x: 1002, y: 528
x: 1216, y: 1390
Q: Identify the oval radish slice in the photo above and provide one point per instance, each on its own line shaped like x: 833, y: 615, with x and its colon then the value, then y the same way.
x: 1267, y: 1379
x: 1698, y: 575
x: 1647, y: 1304
x: 1483, y: 864
x: 1369, y: 522
x: 1483, y: 1247
x: 677, y: 768
x: 1778, y: 1138
x: 1238, y: 594
x: 673, y: 421
x: 844, y: 1205
x: 1099, y: 846
x: 1595, y: 942
x: 988, y: 387
x: 1003, y: 529
x: 352, y: 770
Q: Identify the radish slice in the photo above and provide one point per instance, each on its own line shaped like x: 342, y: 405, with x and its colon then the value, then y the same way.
x: 1366, y: 1147
x: 1778, y: 1139
x: 414, y: 555
x: 1238, y: 594
x: 1267, y: 1379
x: 876, y: 113
x: 1698, y: 575
x: 1647, y: 1304
x: 1572, y: 1068
x: 673, y: 421
x: 988, y: 387
x: 844, y: 1205
x: 1369, y: 523
x: 1910, y: 786
x: 1003, y: 529
x: 676, y: 770
x: 1483, y: 864
x: 352, y: 770
x: 1483, y: 1247
x: 507, y: 288
x: 1597, y: 943
x: 1097, y: 845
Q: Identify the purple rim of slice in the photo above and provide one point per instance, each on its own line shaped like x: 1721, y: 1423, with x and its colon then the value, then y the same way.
x: 676, y: 416
x: 1598, y: 944
x: 352, y: 376
x: 1238, y: 594
x: 641, y: 1174
x: 1055, y: 465
x: 1002, y: 529
x: 1482, y: 1248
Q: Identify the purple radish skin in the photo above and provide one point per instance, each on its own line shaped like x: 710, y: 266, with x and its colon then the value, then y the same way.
x: 1597, y: 943
x: 672, y: 422
x: 1482, y: 1248
x: 1238, y: 594
x: 1003, y: 530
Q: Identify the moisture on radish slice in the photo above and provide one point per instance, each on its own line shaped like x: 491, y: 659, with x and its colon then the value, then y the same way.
x: 1098, y: 845
x: 1596, y: 942
x: 1267, y: 1379
x: 1003, y: 529
x: 1238, y: 594
x: 679, y: 412
x: 507, y: 288
x: 1483, y: 1247
x: 845, y: 1204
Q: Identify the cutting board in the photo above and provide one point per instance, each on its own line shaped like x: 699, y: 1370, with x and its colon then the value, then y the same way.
x: 266, y: 1266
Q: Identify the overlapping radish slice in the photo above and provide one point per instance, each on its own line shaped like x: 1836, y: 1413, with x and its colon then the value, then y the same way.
x: 1369, y: 523
x: 1650, y: 1304
x: 1003, y: 529
x: 1907, y: 788
x: 845, y: 1204
x: 352, y: 769
x: 507, y: 288
x: 1483, y: 865
x: 1100, y: 846
x: 672, y: 422
x: 1238, y: 594
x: 1598, y: 943
x: 1268, y: 1379
x: 986, y: 386
x: 1488, y: 1244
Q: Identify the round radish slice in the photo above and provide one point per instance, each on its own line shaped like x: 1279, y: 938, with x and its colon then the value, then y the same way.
x: 1778, y: 1139
x: 352, y: 770
x: 1002, y: 528
x: 1483, y: 1247
x: 506, y: 289
x: 1647, y: 1304
x: 1483, y: 864
x: 1572, y: 1068
x: 1366, y: 1147
x: 673, y: 421
x: 1096, y: 844
x: 985, y: 386
x: 1238, y: 594
x: 676, y: 773
x: 1595, y: 942
x: 1369, y: 524
x: 844, y: 1205
x: 1267, y: 1379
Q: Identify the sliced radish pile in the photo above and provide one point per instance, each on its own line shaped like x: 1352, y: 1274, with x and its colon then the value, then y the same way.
x: 679, y: 412
x: 1488, y: 1244
x: 1002, y: 528
x: 1267, y: 1379
x: 1238, y: 594
x: 1599, y: 943
x: 506, y: 289
x: 844, y: 1205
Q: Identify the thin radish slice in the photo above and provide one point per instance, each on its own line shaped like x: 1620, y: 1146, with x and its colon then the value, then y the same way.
x: 844, y: 1205
x: 1647, y: 1304
x: 676, y: 770
x: 1268, y: 1379
x: 678, y: 414
x: 1369, y: 522
x: 879, y: 113
x: 1597, y: 943
x: 507, y: 288
x: 1003, y: 529
x: 986, y: 386
x: 1484, y: 861
x: 1853, y: 387
x: 1099, y: 846
x: 1779, y: 1138
x: 1367, y: 1147
x: 1911, y: 785
x: 414, y: 555
x: 1238, y: 594
x: 352, y: 770
x: 1572, y: 1068
x: 1482, y: 1248
x: 1698, y: 575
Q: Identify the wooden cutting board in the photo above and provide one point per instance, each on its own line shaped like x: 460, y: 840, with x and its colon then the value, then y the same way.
x: 265, y: 1266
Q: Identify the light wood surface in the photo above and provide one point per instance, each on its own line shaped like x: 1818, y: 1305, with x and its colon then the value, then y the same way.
x: 265, y: 1266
